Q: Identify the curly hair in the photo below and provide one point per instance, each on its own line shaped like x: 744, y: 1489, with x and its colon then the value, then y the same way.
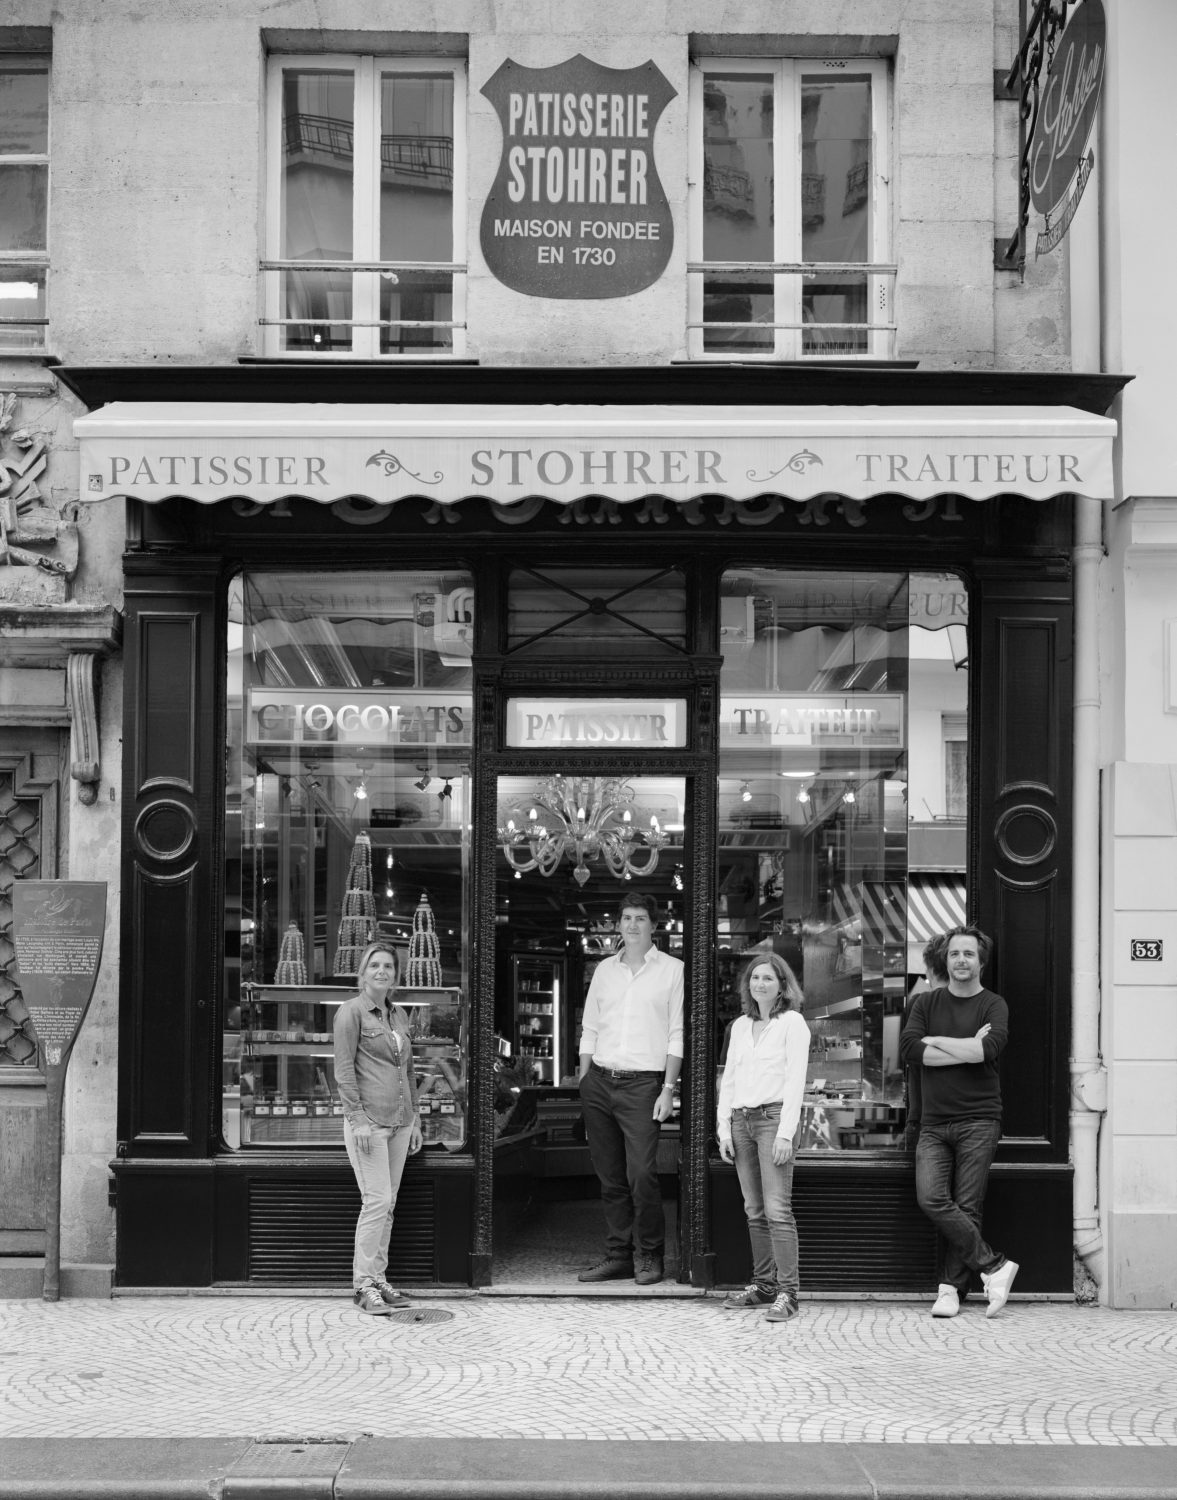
x: 790, y: 997
x: 983, y: 940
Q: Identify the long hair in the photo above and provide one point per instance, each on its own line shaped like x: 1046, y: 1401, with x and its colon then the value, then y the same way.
x: 379, y: 947
x: 790, y: 997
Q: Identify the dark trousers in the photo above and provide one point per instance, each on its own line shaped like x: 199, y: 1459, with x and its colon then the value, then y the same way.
x: 952, y: 1162
x: 623, y: 1143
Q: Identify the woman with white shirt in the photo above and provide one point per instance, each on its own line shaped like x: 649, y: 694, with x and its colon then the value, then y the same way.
x: 759, y: 1118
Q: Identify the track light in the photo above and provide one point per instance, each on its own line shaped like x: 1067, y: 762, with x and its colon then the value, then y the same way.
x: 446, y: 791
x: 423, y: 784
x: 745, y: 794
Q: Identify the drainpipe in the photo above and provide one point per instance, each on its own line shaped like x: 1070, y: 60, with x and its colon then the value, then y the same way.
x: 1088, y: 1075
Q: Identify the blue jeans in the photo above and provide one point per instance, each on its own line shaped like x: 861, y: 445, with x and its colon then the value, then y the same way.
x: 952, y: 1163
x: 623, y: 1140
x: 768, y: 1198
x: 378, y: 1174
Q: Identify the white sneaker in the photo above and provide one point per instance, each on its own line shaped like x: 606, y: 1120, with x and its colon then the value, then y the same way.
x: 997, y: 1285
x: 947, y: 1303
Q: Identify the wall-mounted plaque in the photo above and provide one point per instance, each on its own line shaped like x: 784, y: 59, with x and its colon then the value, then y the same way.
x: 58, y: 928
x: 576, y: 208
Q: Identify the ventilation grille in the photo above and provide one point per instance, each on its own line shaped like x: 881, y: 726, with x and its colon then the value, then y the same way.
x: 302, y: 1229
x: 862, y: 1234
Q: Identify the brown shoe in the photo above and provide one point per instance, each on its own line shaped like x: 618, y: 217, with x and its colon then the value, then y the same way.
x: 649, y: 1270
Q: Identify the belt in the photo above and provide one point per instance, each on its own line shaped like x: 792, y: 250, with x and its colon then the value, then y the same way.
x: 623, y: 1073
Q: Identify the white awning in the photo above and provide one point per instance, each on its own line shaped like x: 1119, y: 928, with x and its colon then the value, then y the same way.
x: 208, y: 451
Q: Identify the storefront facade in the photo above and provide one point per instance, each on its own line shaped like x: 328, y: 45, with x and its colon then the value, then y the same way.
x: 836, y: 718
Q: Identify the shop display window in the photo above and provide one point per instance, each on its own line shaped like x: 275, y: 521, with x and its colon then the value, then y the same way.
x: 842, y: 828
x: 347, y: 819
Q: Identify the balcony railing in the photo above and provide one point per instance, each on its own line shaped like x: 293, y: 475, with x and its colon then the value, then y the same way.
x: 774, y: 310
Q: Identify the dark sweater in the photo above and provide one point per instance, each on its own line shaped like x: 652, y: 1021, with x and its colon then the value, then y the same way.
x: 965, y: 1091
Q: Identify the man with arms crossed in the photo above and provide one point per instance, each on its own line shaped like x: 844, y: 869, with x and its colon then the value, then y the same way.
x: 631, y: 1047
x: 955, y: 1036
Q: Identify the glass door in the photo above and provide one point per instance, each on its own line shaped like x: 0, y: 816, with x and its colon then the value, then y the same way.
x: 569, y: 849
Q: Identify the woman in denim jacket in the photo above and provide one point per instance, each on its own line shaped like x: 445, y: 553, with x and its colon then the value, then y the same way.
x: 759, y: 1115
x: 376, y: 1082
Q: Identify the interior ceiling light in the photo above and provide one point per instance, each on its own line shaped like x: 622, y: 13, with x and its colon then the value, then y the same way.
x: 361, y: 791
x: 423, y: 784
x: 848, y: 795
x: 446, y: 791
x: 803, y: 795
x: 582, y: 818
x: 745, y: 794
x: 798, y: 775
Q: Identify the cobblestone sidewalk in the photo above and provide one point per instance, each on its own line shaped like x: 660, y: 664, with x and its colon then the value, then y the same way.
x: 590, y: 1369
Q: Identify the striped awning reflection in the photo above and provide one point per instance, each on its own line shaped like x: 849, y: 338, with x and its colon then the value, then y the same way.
x: 874, y: 910
x: 934, y: 904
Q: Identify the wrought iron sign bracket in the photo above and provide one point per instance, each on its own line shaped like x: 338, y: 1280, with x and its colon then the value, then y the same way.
x: 1047, y: 18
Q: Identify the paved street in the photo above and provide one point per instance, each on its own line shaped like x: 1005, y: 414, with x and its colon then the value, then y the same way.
x: 525, y: 1368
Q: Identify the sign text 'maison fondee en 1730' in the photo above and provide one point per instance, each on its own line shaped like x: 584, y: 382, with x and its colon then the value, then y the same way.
x: 576, y: 208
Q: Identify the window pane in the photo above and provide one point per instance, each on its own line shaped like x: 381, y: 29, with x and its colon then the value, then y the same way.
x: 416, y: 167
x: 834, y: 850
x: 317, y: 296
x: 595, y: 612
x: 23, y: 195
x: 836, y: 300
x: 416, y: 296
x: 22, y: 296
x: 349, y: 712
x: 737, y: 168
x: 318, y: 130
x: 733, y: 298
x: 835, y: 169
x: 24, y: 108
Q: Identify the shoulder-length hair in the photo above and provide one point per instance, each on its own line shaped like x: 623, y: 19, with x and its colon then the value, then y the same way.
x: 380, y: 947
x: 790, y: 997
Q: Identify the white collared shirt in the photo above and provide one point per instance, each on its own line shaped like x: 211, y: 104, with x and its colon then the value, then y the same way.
x: 769, y: 1069
x: 634, y: 1021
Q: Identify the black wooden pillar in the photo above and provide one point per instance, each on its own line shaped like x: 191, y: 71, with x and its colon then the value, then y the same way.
x: 1021, y: 679
x: 171, y: 885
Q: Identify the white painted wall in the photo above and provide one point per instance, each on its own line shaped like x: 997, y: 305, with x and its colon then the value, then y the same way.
x: 1138, y: 619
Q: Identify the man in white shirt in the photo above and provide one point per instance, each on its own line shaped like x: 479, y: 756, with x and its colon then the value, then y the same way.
x: 631, y: 1049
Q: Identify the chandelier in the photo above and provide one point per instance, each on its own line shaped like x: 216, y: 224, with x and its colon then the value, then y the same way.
x: 581, y: 818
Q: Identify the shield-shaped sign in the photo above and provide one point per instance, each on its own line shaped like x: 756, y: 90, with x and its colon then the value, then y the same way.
x: 576, y: 208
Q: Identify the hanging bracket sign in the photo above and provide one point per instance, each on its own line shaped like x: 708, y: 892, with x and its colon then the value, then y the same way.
x: 1066, y: 118
x: 577, y: 208
x: 58, y: 928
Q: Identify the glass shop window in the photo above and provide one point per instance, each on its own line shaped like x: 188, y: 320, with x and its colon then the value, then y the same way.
x: 347, y: 819
x: 842, y: 834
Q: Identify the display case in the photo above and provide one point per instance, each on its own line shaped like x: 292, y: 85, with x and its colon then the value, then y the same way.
x: 538, y: 983
x: 279, y: 1065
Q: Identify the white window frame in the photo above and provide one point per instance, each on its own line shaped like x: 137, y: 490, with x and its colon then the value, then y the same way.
x: 366, y: 267
x: 787, y: 268
x: 37, y: 261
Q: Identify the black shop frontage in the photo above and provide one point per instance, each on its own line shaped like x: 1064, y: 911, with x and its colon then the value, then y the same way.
x: 458, y: 657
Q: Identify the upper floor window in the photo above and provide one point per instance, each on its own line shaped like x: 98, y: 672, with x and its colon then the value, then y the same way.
x: 24, y: 201
x: 790, y: 217
x: 366, y: 207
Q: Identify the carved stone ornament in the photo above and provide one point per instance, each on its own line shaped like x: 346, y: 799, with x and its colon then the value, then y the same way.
x: 38, y: 546
x: 85, y: 766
